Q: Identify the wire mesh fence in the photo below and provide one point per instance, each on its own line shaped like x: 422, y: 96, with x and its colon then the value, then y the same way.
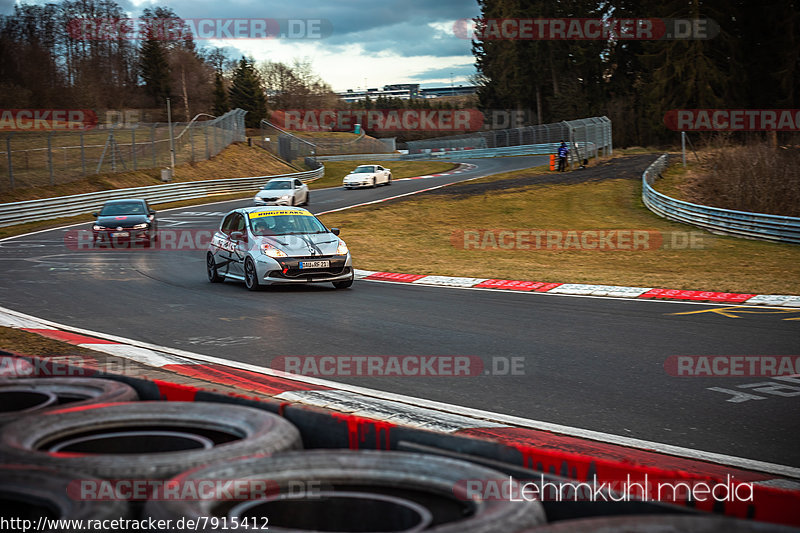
x: 589, y: 137
x: 50, y: 158
x: 295, y: 148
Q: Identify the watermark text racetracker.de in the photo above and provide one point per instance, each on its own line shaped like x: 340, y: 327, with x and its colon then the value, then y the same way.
x: 47, y: 119
x: 378, y: 119
x: 29, y: 366
x: 630, y: 240
x: 176, y: 29
x: 585, y: 29
x: 733, y: 119
x: 732, y: 366
x: 172, y: 240
x: 201, y: 523
x: 463, y: 366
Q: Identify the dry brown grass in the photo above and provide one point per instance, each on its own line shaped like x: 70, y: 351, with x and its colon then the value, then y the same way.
x: 414, y: 236
x: 236, y: 161
x: 757, y: 178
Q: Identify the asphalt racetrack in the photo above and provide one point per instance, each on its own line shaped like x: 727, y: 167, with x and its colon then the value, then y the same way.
x: 593, y: 363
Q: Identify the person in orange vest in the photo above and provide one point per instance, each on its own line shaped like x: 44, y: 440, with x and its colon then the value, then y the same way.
x: 563, y: 151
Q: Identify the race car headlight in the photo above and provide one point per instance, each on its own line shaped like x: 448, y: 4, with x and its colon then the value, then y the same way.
x: 342, y: 248
x: 141, y: 226
x: 97, y: 228
x: 271, y: 251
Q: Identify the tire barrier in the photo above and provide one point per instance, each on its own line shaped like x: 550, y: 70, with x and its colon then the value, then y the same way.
x: 347, y: 490
x: 22, y: 396
x: 357, y: 475
x: 29, y: 492
x: 144, y: 440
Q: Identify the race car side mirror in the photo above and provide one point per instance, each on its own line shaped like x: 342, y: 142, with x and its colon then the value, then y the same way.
x: 335, y: 231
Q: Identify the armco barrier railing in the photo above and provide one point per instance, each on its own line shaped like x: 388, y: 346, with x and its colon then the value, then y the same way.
x: 65, y: 206
x: 716, y: 220
x: 527, y: 149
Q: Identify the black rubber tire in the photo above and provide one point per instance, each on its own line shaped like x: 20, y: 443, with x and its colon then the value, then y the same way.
x: 374, y: 183
x: 12, y: 367
x: 671, y: 523
x: 424, y: 479
x: 248, y: 431
x: 308, y: 199
x: 390, y: 180
x: 251, y: 275
x: 30, y: 492
x: 70, y: 393
x: 343, y: 284
x: 211, y: 269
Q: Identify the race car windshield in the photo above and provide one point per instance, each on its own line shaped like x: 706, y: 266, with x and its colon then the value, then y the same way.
x: 286, y: 225
x: 278, y: 185
x: 127, y: 208
x: 363, y: 170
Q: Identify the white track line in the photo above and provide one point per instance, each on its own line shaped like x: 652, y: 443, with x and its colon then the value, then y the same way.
x: 478, y: 414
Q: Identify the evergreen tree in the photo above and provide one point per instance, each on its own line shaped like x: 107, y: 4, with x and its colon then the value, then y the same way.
x: 154, y: 69
x: 246, y: 92
x: 221, y: 105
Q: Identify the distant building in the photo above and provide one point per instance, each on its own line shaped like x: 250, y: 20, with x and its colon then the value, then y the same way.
x: 436, y: 92
x: 405, y: 91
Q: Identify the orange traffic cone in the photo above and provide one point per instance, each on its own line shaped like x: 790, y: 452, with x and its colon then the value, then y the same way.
x: 552, y: 161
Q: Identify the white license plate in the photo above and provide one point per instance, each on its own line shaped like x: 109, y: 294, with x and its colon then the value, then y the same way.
x: 121, y: 234
x: 315, y: 264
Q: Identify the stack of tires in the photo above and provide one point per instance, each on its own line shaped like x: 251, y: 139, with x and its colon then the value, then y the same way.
x: 73, y: 448
x: 87, y: 448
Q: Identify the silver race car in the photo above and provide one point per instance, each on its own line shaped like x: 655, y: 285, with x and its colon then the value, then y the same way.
x: 274, y: 245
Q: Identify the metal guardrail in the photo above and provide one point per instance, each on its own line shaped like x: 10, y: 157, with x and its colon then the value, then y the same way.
x: 528, y: 149
x: 65, y: 206
x: 761, y: 226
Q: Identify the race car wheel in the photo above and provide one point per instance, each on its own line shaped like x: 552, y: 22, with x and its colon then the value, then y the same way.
x: 389, y: 181
x: 211, y: 269
x: 251, y: 275
x: 308, y: 198
x: 373, y: 183
x: 343, y: 284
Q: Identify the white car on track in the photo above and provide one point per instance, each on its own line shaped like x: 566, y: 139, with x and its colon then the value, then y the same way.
x: 368, y: 176
x: 283, y: 191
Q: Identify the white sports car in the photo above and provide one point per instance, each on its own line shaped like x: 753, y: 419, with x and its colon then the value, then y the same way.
x: 368, y: 176
x: 283, y: 191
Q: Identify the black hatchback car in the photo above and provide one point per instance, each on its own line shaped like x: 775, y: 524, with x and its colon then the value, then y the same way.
x: 126, y: 221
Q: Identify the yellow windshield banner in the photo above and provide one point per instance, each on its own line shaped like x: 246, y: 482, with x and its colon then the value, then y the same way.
x: 259, y: 214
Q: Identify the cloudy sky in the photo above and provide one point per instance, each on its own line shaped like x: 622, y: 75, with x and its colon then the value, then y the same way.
x: 376, y: 41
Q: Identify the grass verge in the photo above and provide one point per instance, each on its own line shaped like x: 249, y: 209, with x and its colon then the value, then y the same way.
x: 235, y: 161
x: 414, y: 236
